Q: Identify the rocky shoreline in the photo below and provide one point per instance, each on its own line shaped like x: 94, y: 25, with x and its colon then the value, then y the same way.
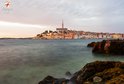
x: 115, y: 47
x: 98, y: 72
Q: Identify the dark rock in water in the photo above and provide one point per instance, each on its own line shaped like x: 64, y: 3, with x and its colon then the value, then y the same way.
x: 109, y: 47
x: 90, y: 69
x: 68, y: 74
x: 97, y: 79
x: 92, y: 44
x: 52, y: 80
x: 117, y: 80
x: 99, y: 72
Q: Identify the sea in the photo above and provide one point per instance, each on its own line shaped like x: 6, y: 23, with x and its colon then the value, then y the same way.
x: 28, y: 61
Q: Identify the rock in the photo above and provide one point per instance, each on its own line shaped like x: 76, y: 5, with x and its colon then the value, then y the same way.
x: 109, y: 74
x: 115, y: 47
x: 68, y: 74
x: 92, y: 44
x: 97, y: 79
x: 52, y: 80
x: 98, y: 72
x: 117, y: 80
x: 87, y: 83
x: 90, y: 69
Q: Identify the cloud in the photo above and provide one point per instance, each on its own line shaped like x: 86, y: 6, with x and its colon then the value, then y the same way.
x: 93, y: 15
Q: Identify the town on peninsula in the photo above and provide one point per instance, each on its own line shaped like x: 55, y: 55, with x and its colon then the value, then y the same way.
x: 65, y: 33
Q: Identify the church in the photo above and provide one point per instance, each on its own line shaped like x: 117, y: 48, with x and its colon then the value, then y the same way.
x: 62, y: 29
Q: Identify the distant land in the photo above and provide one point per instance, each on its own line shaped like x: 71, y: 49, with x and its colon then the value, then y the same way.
x: 73, y: 34
x: 17, y: 38
x: 65, y: 33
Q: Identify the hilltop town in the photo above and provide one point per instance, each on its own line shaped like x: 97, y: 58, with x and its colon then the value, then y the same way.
x: 65, y: 33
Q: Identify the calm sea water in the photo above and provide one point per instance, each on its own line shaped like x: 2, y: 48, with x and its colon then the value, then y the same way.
x: 29, y: 61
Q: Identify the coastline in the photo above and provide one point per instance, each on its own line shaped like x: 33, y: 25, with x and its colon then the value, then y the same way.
x: 98, y: 72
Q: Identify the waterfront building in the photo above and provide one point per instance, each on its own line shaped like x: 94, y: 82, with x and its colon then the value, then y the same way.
x: 64, y: 33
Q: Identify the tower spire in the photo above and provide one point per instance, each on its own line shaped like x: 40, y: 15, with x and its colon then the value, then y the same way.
x: 62, y: 24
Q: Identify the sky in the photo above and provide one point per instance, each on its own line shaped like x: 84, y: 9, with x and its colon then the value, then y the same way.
x: 26, y: 18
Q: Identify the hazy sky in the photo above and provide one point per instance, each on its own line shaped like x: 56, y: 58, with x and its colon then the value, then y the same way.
x: 28, y: 17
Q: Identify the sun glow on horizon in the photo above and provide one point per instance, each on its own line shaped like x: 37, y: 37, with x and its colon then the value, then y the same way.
x: 18, y: 30
x: 3, y: 23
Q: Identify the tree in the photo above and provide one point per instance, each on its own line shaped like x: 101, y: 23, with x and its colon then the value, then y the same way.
x: 45, y: 32
x: 50, y: 31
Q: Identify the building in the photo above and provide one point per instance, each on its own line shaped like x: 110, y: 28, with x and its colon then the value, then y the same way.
x: 64, y: 33
x: 62, y: 29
